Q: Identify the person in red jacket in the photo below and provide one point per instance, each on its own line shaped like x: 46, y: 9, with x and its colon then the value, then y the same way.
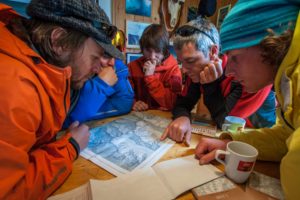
x: 155, y: 77
x: 37, y: 57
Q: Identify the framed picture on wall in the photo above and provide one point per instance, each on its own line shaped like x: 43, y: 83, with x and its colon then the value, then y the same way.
x: 134, y: 31
x: 172, y: 50
x: 18, y: 5
x: 222, y: 14
x: 132, y: 56
x: 192, y: 13
x: 139, y: 7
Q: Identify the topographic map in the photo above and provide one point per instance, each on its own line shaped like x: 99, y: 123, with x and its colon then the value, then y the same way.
x: 128, y: 143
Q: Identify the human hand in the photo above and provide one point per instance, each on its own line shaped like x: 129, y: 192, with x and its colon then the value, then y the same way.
x: 206, y: 149
x: 178, y: 129
x: 212, y: 71
x: 108, y: 75
x: 149, y: 67
x: 80, y: 133
x: 140, y: 106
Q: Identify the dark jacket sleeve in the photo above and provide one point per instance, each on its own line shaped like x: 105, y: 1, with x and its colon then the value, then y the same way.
x: 218, y: 105
x: 185, y: 104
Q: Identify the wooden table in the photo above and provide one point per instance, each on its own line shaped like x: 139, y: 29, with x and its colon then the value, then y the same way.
x: 83, y: 169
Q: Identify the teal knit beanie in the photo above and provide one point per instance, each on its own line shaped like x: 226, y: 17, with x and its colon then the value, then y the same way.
x: 247, y: 22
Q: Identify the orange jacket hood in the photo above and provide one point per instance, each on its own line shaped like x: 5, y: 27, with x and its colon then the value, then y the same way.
x: 34, y: 101
x: 55, y: 80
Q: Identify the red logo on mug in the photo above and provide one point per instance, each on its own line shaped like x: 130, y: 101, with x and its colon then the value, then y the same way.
x: 245, y: 166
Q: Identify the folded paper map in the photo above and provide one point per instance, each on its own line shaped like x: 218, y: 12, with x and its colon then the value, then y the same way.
x: 128, y: 143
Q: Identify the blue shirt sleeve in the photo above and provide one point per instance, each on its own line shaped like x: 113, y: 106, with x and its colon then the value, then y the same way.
x: 98, y: 100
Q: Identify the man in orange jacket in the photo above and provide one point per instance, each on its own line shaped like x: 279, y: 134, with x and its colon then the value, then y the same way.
x: 36, y: 59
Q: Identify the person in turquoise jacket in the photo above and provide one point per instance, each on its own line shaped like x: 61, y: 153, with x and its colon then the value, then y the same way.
x: 261, y: 39
x: 106, y: 95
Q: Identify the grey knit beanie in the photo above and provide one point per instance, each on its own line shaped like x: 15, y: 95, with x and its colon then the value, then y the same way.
x: 81, y: 15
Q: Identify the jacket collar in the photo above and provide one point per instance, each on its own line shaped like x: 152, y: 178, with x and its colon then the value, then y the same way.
x: 287, y: 67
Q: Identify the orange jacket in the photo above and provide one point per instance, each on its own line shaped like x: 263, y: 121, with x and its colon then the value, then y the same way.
x: 159, y: 90
x: 33, y: 104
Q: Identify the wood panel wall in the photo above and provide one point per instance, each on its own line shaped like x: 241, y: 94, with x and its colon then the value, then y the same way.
x: 221, y: 3
x: 119, y: 16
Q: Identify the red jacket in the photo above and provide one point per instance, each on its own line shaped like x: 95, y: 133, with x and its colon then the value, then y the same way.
x: 223, y: 97
x: 34, y: 101
x: 159, y: 90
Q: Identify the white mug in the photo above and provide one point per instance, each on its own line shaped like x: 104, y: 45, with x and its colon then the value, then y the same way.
x: 239, y: 161
x: 233, y: 124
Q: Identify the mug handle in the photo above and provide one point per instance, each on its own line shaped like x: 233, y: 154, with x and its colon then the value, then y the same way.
x: 225, y: 127
x: 221, y: 152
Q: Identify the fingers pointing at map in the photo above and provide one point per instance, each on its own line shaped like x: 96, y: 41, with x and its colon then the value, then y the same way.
x: 179, y: 130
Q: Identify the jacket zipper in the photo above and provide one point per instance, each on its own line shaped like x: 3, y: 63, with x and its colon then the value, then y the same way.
x: 65, y: 96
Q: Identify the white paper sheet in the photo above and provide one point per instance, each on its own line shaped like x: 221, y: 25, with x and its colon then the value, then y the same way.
x: 184, y: 173
x: 81, y: 193
x: 164, y: 181
x: 142, y: 184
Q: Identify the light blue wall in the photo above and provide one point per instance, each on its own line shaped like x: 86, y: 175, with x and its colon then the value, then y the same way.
x: 22, y: 1
x: 20, y: 6
x: 107, y: 7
